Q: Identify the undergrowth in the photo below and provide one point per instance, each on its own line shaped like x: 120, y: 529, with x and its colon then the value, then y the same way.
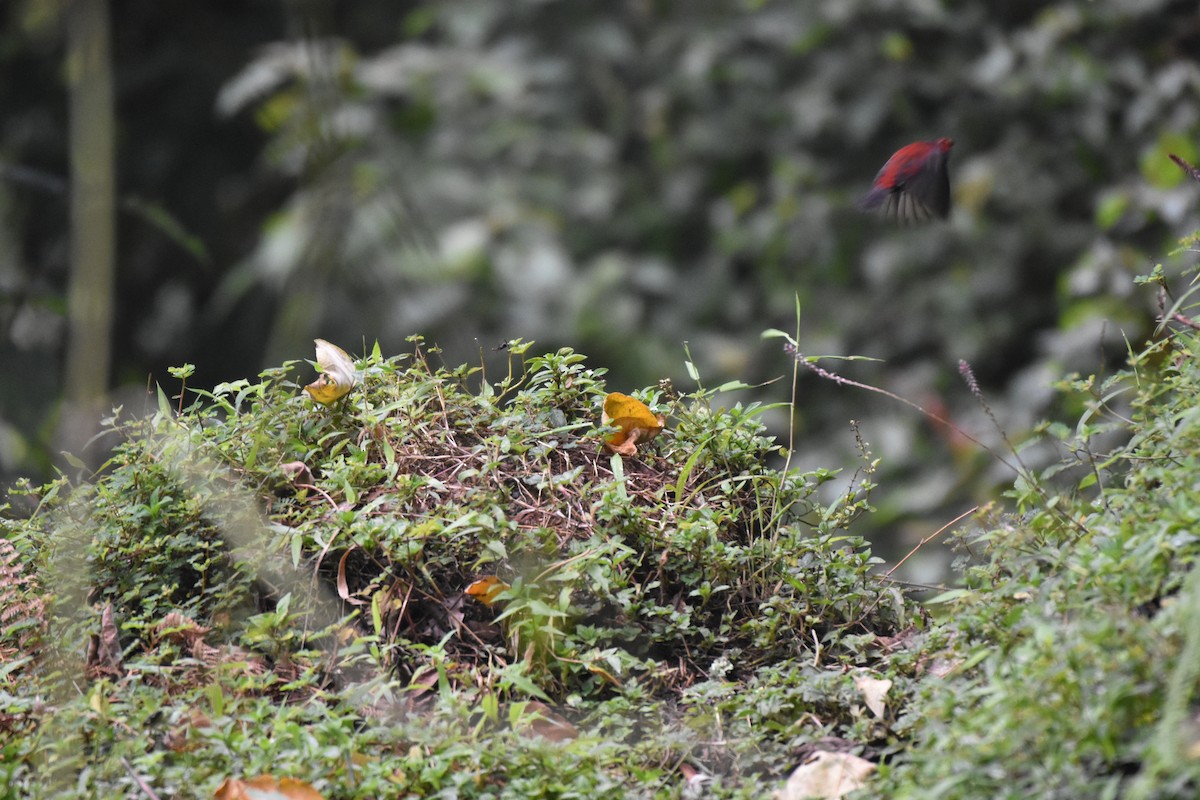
x: 1073, y: 646
x: 269, y: 585
x: 258, y: 584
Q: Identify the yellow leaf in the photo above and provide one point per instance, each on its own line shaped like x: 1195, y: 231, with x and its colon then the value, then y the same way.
x: 485, y: 589
x: 337, y: 374
x: 637, y: 423
x: 603, y: 673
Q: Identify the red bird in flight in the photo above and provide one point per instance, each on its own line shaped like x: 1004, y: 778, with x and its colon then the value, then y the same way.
x: 914, y: 184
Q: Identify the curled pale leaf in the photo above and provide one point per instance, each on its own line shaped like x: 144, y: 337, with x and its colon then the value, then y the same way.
x: 826, y: 775
x: 636, y: 423
x: 874, y: 692
x: 297, y: 472
x: 485, y: 589
x: 337, y: 373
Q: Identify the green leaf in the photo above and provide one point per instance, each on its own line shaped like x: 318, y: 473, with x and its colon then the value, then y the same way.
x: 74, y: 460
x: 1111, y: 208
x: 685, y: 472
x: 168, y: 225
x: 949, y: 596
x: 164, y: 404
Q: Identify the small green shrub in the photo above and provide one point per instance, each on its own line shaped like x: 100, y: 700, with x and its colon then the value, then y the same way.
x: 1071, y: 648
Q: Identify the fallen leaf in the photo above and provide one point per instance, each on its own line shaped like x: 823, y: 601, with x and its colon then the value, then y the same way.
x: 181, y: 629
x: 298, y: 473
x: 539, y: 720
x: 337, y: 374
x: 874, y: 692
x: 901, y: 640
x: 343, y: 587
x: 636, y: 423
x: 693, y: 778
x: 266, y: 787
x: 485, y: 589
x: 179, y: 738
x: 940, y: 667
x: 826, y: 776
x: 603, y: 673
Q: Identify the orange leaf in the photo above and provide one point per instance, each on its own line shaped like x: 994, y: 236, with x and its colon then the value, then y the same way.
x: 637, y: 423
x: 266, y: 787
x: 485, y: 589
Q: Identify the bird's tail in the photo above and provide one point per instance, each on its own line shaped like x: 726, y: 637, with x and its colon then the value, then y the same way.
x: 873, y: 199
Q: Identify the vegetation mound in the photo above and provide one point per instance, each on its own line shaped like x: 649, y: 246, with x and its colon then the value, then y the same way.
x: 443, y: 583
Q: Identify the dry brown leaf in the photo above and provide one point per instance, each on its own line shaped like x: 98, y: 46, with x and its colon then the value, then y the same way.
x: 343, y: 588
x: 179, y: 738
x: 826, y: 776
x: 692, y: 777
x: 104, y: 648
x: 180, y: 629
x: 939, y: 667
x: 900, y: 641
x: 539, y: 720
x: 424, y: 680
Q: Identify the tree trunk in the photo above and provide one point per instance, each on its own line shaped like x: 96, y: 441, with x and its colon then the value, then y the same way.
x: 93, y: 231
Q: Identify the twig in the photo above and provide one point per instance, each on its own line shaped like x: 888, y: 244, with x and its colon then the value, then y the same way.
x: 930, y: 538
x: 888, y: 575
x: 921, y: 587
x: 1187, y: 168
x: 1191, y: 323
x: 138, y: 780
x: 968, y: 375
x: 1018, y: 468
x: 824, y: 373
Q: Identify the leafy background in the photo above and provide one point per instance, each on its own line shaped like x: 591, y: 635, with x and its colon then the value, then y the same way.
x: 623, y: 178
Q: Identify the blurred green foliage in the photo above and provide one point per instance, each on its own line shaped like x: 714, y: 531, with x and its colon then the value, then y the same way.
x: 625, y: 177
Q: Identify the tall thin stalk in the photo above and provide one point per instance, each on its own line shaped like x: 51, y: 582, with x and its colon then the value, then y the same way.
x: 90, y: 290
